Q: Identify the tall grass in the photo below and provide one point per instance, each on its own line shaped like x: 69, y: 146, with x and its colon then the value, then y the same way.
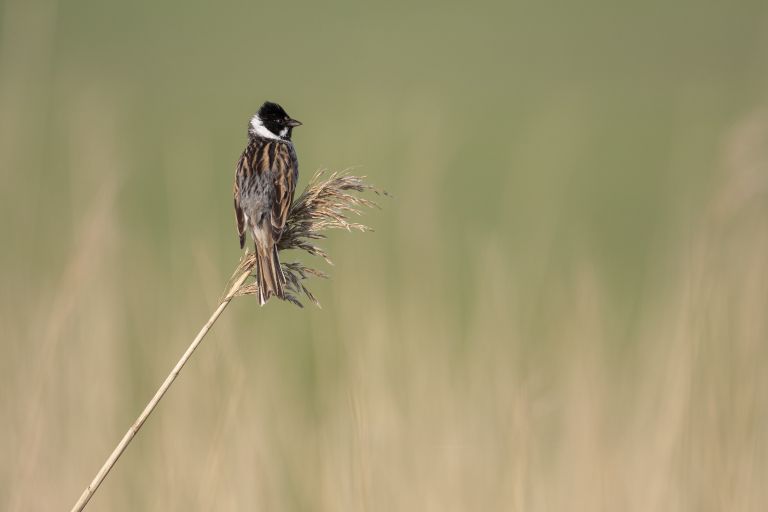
x: 562, y: 308
x: 326, y: 203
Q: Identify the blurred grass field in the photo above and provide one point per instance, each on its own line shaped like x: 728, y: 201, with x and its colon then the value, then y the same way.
x: 563, y: 306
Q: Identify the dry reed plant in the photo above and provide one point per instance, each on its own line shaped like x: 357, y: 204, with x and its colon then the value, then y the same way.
x: 326, y: 203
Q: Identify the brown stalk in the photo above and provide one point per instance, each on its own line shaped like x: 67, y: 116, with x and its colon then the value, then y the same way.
x: 326, y: 203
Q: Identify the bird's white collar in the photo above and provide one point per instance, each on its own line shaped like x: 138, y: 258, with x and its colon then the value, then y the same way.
x: 257, y: 127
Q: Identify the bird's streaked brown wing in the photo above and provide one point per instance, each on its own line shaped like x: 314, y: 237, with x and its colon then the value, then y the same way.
x: 275, y: 163
x: 285, y: 169
x: 239, y: 217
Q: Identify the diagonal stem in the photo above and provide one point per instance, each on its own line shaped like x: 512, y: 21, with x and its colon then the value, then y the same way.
x: 128, y: 437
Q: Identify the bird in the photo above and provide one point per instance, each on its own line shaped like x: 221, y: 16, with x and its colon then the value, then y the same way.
x: 265, y: 181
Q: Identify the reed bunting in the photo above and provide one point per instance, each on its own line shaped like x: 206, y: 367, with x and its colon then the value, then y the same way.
x: 265, y: 181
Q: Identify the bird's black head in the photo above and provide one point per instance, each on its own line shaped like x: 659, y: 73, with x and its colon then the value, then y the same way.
x: 272, y: 122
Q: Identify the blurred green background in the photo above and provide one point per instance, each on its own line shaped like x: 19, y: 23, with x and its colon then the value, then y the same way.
x: 563, y: 306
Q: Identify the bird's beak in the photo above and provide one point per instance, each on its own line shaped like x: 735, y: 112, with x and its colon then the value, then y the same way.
x: 292, y: 123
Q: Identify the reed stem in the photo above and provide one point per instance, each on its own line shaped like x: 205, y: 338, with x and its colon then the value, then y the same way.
x: 128, y: 437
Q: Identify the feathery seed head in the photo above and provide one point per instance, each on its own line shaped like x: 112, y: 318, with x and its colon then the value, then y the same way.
x: 326, y: 203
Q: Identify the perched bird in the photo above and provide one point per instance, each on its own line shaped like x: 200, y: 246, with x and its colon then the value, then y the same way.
x: 265, y: 181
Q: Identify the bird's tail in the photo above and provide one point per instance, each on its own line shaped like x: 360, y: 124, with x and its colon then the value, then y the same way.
x: 269, y: 274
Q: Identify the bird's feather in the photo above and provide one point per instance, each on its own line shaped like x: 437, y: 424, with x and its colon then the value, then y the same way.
x: 265, y: 182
